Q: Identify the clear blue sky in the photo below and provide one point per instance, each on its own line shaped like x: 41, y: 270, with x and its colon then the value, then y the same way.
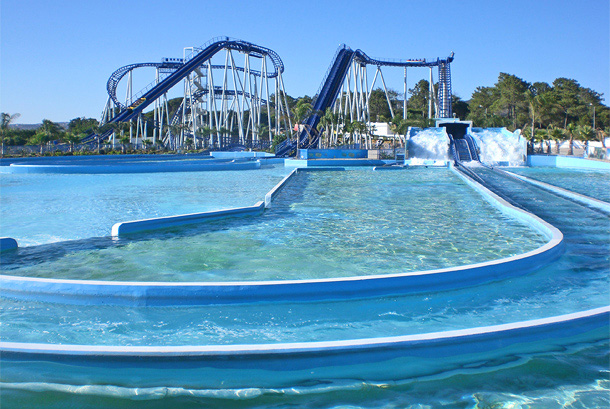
x: 56, y: 56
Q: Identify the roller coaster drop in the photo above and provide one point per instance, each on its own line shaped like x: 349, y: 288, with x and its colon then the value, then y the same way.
x: 348, y: 74
x: 225, y: 104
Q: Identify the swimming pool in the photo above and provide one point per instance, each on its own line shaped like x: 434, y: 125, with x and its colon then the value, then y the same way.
x: 322, y: 224
x: 577, y: 281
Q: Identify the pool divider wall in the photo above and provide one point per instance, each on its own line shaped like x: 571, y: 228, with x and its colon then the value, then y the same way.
x: 551, y: 232
x: 558, y: 161
x: 123, y: 228
x: 8, y: 243
x: 299, y: 363
x: 194, y: 165
x: 589, y: 201
x: 158, y: 223
x: 136, y: 226
x: 276, y: 189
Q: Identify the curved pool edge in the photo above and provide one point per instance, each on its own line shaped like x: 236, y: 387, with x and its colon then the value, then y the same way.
x: 202, y: 293
x: 285, y: 364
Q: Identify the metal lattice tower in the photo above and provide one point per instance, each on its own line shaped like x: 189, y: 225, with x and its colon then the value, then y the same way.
x: 223, y: 103
x: 444, y: 89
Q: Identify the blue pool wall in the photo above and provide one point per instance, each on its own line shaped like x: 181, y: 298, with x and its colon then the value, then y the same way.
x: 137, y: 226
x: 566, y: 162
x: 333, y: 154
x: 137, y: 167
x: 8, y: 243
x: 289, y: 364
x: 203, y: 293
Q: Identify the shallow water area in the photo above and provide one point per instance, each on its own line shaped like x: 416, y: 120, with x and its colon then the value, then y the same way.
x: 322, y: 224
x: 592, y: 183
x: 46, y: 208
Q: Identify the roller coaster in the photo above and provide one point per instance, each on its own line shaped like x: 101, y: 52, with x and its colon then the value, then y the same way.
x: 222, y: 105
x: 226, y: 105
x: 348, y: 74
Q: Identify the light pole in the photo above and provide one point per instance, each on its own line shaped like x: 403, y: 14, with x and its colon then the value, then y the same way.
x: 591, y: 103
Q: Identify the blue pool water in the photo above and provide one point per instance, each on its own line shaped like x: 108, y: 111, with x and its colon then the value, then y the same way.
x: 322, y: 224
x: 46, y: 208
x: 578, y: 280
x: 593, y: 183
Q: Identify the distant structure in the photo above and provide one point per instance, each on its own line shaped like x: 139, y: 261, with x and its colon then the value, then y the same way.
x: 226, y: 100
x: 346, y: 90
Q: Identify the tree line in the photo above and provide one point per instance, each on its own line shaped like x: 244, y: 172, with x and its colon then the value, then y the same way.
x: 563, y: 110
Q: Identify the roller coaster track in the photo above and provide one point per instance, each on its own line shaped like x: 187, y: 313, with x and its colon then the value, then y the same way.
x: 202, y: 54
x: 331, y: 85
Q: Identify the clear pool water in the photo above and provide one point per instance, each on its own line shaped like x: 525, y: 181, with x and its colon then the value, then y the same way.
x: 593, y: 183
x: 322, y: 224
x: 578, y: 280
x: 46, y: 208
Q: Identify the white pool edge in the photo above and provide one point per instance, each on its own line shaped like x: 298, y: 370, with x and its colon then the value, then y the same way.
x: 601, y: 313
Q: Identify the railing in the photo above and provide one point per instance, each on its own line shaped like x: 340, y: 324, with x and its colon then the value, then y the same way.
x: 330, y: 67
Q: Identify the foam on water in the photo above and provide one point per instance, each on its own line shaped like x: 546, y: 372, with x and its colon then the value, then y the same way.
x: 498, y: 145
x: 429, y: 143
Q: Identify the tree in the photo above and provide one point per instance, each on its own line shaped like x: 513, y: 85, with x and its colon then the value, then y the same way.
x: 326, y: 121
x: 40, y: 138
x: 565, y: 93
x: 480, y: 105
x: 585, y: 133
x: 512, y: 97
x: 52, y: 129
x: 379, y: 104
x: 571, y: 131
x: 5, y: 121
x: 83, y: 125
x: 124, y: 140
x: 557, y: 135
x: 420, y: 97
x: 301, y: 111
x: 460, y: 107
x: 72, y: 138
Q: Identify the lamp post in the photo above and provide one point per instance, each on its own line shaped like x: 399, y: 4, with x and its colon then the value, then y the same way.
x: 591, y: 103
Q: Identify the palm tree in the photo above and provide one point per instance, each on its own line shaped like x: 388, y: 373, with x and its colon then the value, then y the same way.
x: 124, y: 140
x: 601, y: 135
x: 534, y: 103
x: 539, y: 136
x: 585, y: 133
x: 72, y: 138
x: 5, y: 121
x: 347, y: 130
x: 571, y: 130
x: 147, y: 142
x: 39, y: 138
x: 326, y: 122
x: 557, y: 135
